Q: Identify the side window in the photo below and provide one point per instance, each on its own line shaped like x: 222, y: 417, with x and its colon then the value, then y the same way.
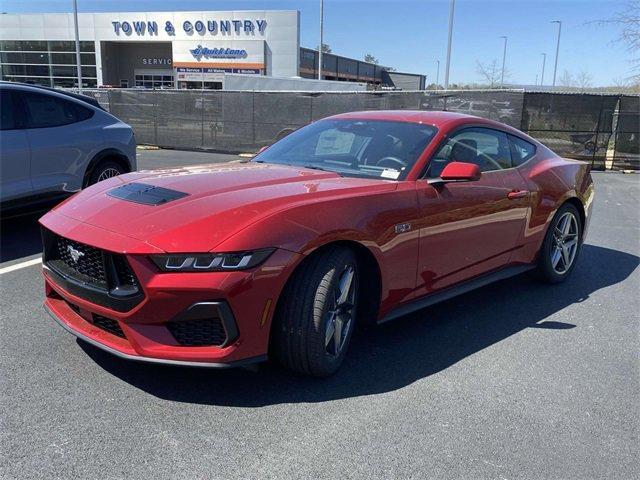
x: 521, y: 150
x: 6, y: 111
x: 489, y: 149
x: 50, y: 111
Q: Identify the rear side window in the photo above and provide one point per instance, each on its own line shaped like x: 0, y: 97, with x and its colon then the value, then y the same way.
x: 49, y: 111
x: 521, y: 150
x: 8, y: 121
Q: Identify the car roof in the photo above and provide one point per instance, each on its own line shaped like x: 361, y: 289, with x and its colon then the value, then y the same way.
x: 27, y: 86
x: 435, y: 118
x: 445, y: 121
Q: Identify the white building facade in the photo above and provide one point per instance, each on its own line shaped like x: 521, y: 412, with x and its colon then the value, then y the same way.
x: 149, y: 50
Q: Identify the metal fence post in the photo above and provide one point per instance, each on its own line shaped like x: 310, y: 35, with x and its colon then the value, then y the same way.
x: 253, y: 117
x: 202, y: 109
x: 155, y: 117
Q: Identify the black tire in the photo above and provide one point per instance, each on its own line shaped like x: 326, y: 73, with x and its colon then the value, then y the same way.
x: 545, y: 270
x: 301, y: 324
x: 106, y: 167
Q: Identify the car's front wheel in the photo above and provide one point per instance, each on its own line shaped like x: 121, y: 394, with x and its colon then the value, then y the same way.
x: 317, y: 313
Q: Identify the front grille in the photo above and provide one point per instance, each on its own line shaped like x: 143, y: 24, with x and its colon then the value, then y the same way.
x: 108, y: 325
x: 97, y: 275
x: 123, y: 271
x: 80, y: 261
x: 198, y: 332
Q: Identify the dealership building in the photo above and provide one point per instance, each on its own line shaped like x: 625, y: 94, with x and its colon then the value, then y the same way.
x: 170, y: 50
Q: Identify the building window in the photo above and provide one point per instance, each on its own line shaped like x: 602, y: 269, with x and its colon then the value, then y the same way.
x: 154, y: 81
x: 51, y: 63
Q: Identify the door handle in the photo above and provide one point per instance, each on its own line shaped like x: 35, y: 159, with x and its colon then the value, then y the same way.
x: 517, y: 194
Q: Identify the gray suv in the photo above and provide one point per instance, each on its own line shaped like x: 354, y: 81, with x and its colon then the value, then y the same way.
x: 53, y: 143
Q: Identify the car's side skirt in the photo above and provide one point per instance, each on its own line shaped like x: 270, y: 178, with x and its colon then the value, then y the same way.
x: 454, y: 291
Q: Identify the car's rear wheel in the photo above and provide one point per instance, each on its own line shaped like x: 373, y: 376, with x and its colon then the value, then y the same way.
x: 317, y: 313
x: 105, y: 170
x: 561, y: 245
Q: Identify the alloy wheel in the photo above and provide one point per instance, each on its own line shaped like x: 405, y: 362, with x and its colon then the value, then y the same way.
x: 341, y: 312
x: 108, y: 173
x: 565, y: 243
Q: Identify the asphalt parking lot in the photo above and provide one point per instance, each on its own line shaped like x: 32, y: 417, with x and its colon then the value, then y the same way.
x: 515, y: 380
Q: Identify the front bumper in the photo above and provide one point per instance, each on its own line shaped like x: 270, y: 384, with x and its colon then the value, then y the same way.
x: 246, y: 299
x: 138, y: 358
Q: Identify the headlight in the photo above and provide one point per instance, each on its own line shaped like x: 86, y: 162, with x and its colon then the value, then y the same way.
x: 211, y: 262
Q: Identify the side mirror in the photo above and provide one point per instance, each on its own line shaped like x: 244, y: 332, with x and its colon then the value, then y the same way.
x: 457, y: 172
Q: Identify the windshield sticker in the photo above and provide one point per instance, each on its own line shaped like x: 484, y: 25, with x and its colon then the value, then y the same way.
x: 390, y: 173
x: 334, y: 142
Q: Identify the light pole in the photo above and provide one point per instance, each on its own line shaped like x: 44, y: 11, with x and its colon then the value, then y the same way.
x: 555, y: 68
x: 544, y: 60
x: 321, y: 40
x: 504, y: 57
x: 446, y: 71
x: 78, y: 62
x: 437, y: 73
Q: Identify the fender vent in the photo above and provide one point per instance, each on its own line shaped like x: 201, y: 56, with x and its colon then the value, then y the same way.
x: 145, y: 194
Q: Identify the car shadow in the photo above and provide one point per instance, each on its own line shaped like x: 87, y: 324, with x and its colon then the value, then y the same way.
x: 20, y: 230
x: 394, y: 355
x: 20, y: 235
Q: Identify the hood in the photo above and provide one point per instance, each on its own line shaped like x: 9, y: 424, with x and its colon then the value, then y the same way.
x: 194, y: 209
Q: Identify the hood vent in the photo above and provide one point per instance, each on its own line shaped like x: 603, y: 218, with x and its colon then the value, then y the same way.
x: 145, y: 194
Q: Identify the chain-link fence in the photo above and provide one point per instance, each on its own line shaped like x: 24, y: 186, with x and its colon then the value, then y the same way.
x: 627, y: 138
x: 578, y: 126
x: 572, y: 125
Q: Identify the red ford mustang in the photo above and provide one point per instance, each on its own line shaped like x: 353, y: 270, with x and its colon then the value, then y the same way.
x: 361, y: 217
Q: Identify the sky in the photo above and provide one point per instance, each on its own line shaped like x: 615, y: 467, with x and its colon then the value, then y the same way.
x: 410, y: 35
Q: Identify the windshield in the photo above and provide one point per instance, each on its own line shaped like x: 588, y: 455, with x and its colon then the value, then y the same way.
x: 359, y: 148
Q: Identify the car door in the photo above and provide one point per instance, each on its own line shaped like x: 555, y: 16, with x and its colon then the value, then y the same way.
x: 62, y: 139
x: 14, y: 152
x: 469, y: 228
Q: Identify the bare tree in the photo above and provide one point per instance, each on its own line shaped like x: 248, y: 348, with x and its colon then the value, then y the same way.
x: 584, y: 79
x: 566, y: 79
x: 629, y: 22
x: 370, y: 58
x: 491, y: 73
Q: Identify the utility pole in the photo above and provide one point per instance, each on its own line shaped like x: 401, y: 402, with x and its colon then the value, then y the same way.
x: 555, y: 68
x: 78, y: 62
x: 446, y: 72
x: 321, y: 40
x: 544, y: 60
x: 437, y: 73
x: 504, y: 57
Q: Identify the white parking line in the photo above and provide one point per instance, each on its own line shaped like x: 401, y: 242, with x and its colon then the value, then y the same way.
x: 20, y: 265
